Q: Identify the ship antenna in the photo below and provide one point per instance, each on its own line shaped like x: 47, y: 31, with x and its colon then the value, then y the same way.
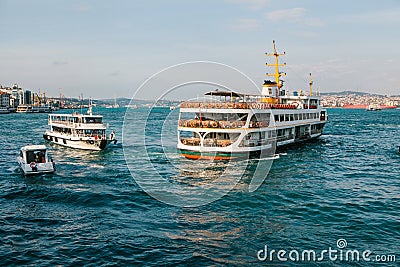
x: 277, y: 74
x: 311, y: 84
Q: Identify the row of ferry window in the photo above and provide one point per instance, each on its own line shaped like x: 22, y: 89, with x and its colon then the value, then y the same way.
x: 87, y: 132
x: 295, y: 117
x: 76, y: 119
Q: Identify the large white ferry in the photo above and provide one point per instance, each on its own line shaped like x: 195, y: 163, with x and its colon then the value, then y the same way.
x: 229, y: 125
x: 82, y: 131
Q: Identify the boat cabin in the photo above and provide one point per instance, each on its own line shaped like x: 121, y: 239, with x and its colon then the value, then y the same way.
x: 35, y: 153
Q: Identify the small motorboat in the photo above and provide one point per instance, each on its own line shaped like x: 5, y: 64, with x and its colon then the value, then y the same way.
x: 34, y: 159
x: 374, y: 107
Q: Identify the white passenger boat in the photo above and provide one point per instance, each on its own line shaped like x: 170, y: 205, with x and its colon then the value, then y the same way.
x: 34, y: 159
x: 4, y: 110
x: 34, y: 109
x: 373, y: 107
x: 230, y: 125
x: 81, y: 131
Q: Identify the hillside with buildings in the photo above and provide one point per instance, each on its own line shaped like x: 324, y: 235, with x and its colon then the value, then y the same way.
x: 350, y: 99
x: 14, y: 98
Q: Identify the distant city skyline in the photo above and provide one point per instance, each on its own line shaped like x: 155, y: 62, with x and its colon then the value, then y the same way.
x: 101, y: 49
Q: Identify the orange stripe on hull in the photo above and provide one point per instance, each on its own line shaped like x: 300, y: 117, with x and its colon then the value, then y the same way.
x: 191, y: 156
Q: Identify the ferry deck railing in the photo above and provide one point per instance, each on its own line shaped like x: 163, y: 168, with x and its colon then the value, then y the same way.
x: 243, y: 105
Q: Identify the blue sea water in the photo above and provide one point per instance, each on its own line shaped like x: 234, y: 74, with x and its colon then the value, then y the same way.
x: 92, y: 212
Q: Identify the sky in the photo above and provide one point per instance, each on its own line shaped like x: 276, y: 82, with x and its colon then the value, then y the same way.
x: 104, y: 49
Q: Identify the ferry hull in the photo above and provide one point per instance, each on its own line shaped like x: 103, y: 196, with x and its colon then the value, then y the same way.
x: 254, y: 154
x: 196, y: 155
x: 95, y: 145
x: 219, y: 155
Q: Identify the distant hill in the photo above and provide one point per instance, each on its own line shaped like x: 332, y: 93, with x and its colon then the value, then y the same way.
x: 138, y: 102
x: 122, y: 101
x: 344, y: 93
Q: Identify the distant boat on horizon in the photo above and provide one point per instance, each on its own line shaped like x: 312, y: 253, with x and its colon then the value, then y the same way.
x: 34, y: 109
x: 365, y: 106
x: 4, y: 110
x: 373, y: 107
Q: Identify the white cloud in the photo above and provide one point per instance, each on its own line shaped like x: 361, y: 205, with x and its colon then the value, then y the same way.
x: 60, y: 62
x: 246, y: 25
x: 115, y: 73
x: 254, y: 4
x: 314, y: 22
x: 305, y: 34
x: 292, y: 14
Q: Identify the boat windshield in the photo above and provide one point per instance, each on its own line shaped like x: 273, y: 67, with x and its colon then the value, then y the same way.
x: 38, y: 156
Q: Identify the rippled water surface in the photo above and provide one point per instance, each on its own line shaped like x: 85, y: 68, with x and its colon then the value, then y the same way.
x: 92, y: 212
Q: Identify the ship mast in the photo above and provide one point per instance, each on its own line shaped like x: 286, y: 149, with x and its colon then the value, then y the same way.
x: 89, y: 111
x: 311, y: 84
x: 277, y: 74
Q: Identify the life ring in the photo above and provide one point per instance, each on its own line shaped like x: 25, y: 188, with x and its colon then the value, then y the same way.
x: 254, y: 105
x: 214, y: 124
x: 241, y: 105
x: 234, y: 125
x: 32, y: 165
